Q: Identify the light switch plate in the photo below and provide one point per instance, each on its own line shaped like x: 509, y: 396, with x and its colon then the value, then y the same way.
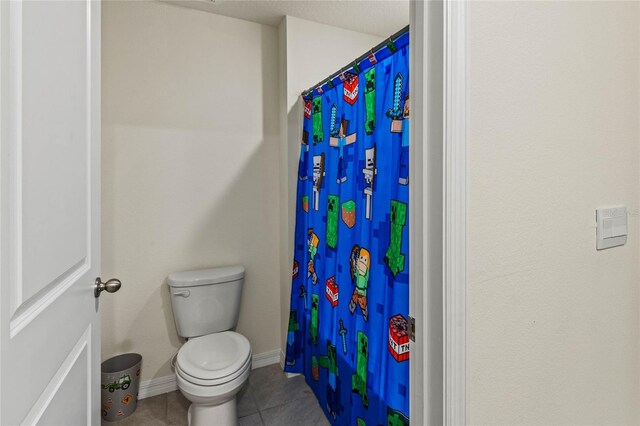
x: 611, y: 229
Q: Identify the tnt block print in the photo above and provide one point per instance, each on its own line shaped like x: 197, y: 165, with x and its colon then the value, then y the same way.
x: 399, y: 338
x: 332, y: 291
x: 307, y: 108
x: 296, y: 269
x: 350, y: 90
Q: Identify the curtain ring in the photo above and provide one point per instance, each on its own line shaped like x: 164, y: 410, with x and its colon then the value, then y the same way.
x: 391, y: 45
x: 356, y: 67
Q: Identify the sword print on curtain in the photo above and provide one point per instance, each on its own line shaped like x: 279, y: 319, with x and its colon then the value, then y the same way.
x: 348, y: 323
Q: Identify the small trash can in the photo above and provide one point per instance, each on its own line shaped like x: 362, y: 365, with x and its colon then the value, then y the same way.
x: 120, y: 383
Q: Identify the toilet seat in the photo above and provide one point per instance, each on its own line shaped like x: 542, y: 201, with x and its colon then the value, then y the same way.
x: 213, y: 382
x: 214, y: 359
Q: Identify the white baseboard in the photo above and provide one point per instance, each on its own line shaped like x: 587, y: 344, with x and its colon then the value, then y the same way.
x: 166, y: 384
x: 266, y: 358
x: 157, y: 386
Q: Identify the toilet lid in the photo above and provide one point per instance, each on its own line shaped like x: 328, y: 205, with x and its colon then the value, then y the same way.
x: 214, y: 356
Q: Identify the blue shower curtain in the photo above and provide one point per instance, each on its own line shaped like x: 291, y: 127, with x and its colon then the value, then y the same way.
x: 348, y: 323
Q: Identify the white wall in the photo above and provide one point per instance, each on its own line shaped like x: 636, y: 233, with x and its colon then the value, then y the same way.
x: 190, y: 169
x: 554, y: 324
x: 309, y: 52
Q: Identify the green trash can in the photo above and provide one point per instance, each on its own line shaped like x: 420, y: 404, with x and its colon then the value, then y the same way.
x: 120, y: 383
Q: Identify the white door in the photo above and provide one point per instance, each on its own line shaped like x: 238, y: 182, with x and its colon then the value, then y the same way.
x: 49, y: 212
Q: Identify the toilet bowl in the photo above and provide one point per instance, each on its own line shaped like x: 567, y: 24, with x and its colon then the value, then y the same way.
x: 210, y: 371
x: 213, y: 365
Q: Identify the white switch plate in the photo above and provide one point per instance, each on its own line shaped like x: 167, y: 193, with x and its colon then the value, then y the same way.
x: 611, y: 229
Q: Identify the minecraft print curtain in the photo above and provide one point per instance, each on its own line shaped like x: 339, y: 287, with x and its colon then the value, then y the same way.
x: 348, y: 328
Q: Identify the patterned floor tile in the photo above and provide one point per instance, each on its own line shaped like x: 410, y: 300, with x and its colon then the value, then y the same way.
x: 177, y: 406
x: 246, y: 401
x: 304, y: 411
x: 252, y: 420
x: 271, y: 387
x: 269, y: 398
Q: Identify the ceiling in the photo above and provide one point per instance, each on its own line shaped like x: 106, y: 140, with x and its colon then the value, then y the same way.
x: 379, y: 17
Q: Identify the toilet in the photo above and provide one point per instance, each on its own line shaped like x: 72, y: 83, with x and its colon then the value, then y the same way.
x: 215, y: 362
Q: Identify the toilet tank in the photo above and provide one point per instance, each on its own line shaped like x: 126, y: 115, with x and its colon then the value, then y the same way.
x: 206, y: 301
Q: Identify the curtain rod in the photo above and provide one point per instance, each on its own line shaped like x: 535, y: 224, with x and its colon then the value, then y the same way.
x: 358, y: 59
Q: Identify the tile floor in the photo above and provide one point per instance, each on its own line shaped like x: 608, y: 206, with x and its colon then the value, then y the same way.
x: 268, y: 399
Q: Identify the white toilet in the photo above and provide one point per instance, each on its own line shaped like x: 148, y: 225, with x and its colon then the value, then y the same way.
x: 214, y: 363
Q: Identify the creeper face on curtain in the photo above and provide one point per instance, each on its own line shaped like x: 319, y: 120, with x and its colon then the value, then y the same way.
x: 348, y: 329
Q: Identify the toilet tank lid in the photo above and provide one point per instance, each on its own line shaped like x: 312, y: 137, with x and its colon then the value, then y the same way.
x: 205, y: 276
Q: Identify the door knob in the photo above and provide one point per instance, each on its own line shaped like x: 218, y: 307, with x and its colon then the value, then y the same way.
x: 110, y: 286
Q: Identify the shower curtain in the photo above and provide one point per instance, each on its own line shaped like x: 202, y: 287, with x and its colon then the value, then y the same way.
x: 348, y: 323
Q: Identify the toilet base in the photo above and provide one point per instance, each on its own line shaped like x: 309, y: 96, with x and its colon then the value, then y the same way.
x: 224, y: 414
x: 213, y: 402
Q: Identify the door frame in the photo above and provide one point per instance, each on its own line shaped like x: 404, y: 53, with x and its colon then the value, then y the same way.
x: 439, y: 194
x: 456, y: 205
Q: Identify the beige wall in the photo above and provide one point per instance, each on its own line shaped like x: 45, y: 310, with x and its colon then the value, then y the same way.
x: 554, y: 324
x: 190, y: 169
x: 309, y: 52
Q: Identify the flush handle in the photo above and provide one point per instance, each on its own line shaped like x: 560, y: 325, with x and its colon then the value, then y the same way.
x: 110, y: 286
x: 183, y: 293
